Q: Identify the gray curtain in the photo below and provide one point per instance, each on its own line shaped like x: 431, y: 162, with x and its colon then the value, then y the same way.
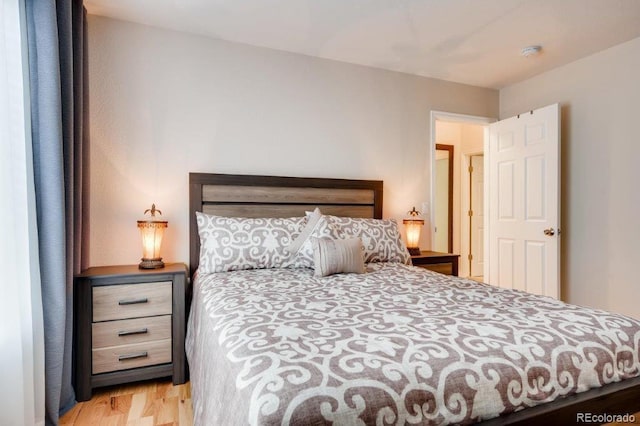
x: 56, y: 33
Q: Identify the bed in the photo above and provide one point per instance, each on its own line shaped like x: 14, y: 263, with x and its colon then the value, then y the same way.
x: 395, y: 345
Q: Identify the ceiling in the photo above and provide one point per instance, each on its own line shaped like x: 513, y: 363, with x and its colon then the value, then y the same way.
x: 476, y: 42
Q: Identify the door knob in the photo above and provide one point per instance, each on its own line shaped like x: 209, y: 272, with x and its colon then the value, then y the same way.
x: 549, y: 232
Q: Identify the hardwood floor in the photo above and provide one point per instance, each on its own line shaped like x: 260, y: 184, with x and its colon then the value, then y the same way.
x: 139, y: 404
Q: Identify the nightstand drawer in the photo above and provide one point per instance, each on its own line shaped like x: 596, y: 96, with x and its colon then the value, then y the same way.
x: 114, y: 302
x: 131, y: 356
x: 125, y: 332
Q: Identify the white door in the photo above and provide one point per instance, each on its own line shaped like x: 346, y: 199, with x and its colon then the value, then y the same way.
x: 524, y: 202
x: 477, y: 216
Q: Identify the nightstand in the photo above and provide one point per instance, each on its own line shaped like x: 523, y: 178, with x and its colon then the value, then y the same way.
x: 129, y: 326
x: 445, y: 263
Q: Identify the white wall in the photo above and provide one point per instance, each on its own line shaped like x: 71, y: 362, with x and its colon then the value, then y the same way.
x: 440, y: 217
x: 472, y: 136
x: 600, y: 99
x: 164, y: 104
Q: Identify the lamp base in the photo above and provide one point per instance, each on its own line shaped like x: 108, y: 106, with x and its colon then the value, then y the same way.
x: 414, y: 251
x: 151, y: 263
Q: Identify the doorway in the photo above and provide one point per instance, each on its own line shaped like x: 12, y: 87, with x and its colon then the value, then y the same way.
x: 466, y: 135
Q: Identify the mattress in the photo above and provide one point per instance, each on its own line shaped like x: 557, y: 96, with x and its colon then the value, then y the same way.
x: 397, y: 345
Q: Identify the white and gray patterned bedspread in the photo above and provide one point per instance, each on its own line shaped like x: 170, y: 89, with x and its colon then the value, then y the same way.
x: 397, y: 345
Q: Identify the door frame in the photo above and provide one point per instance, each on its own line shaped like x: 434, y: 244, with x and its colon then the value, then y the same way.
x: 457, y: 118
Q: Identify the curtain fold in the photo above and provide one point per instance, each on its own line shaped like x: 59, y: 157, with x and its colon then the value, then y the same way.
x: 56, y: 33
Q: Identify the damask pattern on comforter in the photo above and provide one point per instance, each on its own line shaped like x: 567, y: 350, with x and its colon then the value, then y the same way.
x: 397, y: 345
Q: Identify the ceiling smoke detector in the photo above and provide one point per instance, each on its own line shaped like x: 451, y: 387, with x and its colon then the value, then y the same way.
x: 530, y: 51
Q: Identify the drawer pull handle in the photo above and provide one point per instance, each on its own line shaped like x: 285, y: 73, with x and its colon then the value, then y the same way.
x: 133, y: 356
x: 132, y: 332
x: 133, y: 301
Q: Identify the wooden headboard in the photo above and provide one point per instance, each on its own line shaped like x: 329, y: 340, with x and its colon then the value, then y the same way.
x: 276, y: 196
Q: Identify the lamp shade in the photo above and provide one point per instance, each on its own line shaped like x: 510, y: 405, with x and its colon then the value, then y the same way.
x: 152, y: 232
x: 413, y: 227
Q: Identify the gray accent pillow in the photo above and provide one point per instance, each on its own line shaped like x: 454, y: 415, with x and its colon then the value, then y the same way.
x: 337, y: 256
x: 234, y: 243
x: 380, y: 237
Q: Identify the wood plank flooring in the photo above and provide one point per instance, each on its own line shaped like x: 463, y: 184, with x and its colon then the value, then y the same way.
x: 138, y: 404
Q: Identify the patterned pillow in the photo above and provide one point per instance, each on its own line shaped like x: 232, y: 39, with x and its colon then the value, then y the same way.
x: 380, y: 237
x: 317, y: 226
x: 337, y: 256
x: 234, y: 243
